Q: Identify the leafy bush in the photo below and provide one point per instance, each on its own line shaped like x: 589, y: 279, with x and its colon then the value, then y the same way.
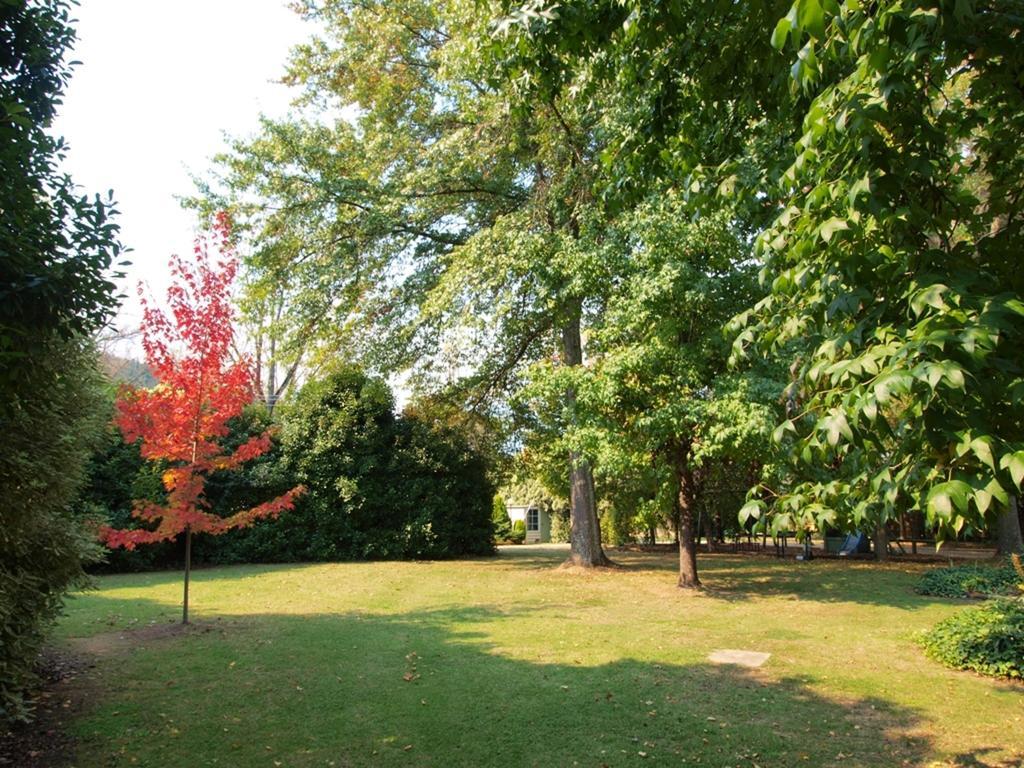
x: 500, y: 520
x: 48, y: 429
x: 988, y: 639
x: 518, y: 532
x: 969, y: 581
x: 379, y: 487
x: 56, y: 246
x: 440, y: 487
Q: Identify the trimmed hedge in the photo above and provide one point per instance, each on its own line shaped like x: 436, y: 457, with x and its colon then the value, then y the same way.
x: 970, y: 581
x: 988, y: 639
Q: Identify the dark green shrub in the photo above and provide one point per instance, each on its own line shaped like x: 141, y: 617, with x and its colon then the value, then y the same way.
x: 988, y: 639
x: 618, y: 525
x: 518, y: 532
x: 230, y: 491
x: 115, y: 475
x: 56, y: 247
x: 969, y: 581
x: 440, y: 486
x: 336, y: 439
x: 378, y: 487
x: 48, y: 430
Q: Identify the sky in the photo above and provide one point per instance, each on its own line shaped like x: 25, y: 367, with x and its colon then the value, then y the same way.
x: 158, y: 87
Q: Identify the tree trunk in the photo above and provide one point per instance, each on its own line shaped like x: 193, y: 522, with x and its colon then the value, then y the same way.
x: 1008, y: 535
x: 585, y: 529
x: 687, y: 534
x: 188, y: 571
x: 881, y: 543
x: 711, y: 529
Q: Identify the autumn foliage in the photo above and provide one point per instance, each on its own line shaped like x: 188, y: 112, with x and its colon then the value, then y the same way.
x: 182, y: 420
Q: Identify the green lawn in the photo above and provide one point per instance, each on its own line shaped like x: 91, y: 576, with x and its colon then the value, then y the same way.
x: 509, y: 661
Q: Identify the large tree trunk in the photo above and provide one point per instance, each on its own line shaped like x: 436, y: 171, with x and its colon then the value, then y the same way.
x: 687, y: 530
x: 1008, y: 535
x: 585, y: 529
x: 881, y: 542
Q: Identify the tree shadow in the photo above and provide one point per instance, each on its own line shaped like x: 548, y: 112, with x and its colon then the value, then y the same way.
x: 737, y: 577
x: 439, y: 688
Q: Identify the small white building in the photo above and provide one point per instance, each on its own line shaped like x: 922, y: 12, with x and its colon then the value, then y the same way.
x: 537, y: 520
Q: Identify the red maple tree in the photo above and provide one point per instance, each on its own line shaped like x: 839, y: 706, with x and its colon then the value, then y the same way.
x: 182, y: 420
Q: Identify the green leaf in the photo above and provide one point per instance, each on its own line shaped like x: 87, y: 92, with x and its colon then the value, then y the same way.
x: 870, y: 409
x: 945, y: 497
x: 930, y: 296
x: 751, y: 510
x: 1014, y: 462
x: 982, y: 448
x: 781, y: 33
x: 781, y: 430
x: 830, y: 227
x: 835, y: 425
x: 954, y: 376
x: 810, y: 17
x: 858, y: 188
x: 983, y: 497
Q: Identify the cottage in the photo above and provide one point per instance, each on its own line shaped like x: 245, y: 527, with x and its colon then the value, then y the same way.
x: 537, y: 520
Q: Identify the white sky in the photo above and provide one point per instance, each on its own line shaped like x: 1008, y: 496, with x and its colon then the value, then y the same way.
x: 159, y: 85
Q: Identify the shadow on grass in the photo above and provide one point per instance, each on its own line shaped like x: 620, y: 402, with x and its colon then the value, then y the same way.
x: 733, y: 577
x: 435, y: 688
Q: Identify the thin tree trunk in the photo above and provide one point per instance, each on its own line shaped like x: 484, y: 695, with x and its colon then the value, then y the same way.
x: 585, y: 529
x: 188, y: 572
x: 881, y: 543
x: 688, y: 578
x: 272, y: 376
x: 1008, y: 534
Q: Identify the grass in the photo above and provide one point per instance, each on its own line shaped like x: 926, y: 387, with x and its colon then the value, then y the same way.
x: 510, y: 661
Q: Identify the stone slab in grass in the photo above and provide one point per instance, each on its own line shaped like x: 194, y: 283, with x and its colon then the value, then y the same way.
x: 751, y: 659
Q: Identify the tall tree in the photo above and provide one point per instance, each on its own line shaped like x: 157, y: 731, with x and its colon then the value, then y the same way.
x: 445, y: 213
x: 182, y: 420
x: 889, y: 239
x: 658, y: 401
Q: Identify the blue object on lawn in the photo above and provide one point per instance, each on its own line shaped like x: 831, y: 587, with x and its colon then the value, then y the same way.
x: 855, y: 542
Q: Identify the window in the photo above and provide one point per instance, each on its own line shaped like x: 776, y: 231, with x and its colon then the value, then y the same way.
x: 532, y: 519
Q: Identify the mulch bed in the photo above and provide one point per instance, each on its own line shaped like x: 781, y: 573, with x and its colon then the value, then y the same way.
x: 45, y: 742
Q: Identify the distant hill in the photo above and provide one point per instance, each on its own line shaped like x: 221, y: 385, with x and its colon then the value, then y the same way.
x: 127, y: 370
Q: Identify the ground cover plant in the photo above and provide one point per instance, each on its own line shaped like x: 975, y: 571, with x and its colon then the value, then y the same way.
x: 970, y: 580
x: 988, y: 639
x: 513, y: 661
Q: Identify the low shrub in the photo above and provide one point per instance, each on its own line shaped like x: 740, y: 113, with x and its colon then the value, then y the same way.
x: 988, y: 639
x: 970, y: 581
x: 518, y: 533
x: 561, y: 525
x: 499, y: 519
